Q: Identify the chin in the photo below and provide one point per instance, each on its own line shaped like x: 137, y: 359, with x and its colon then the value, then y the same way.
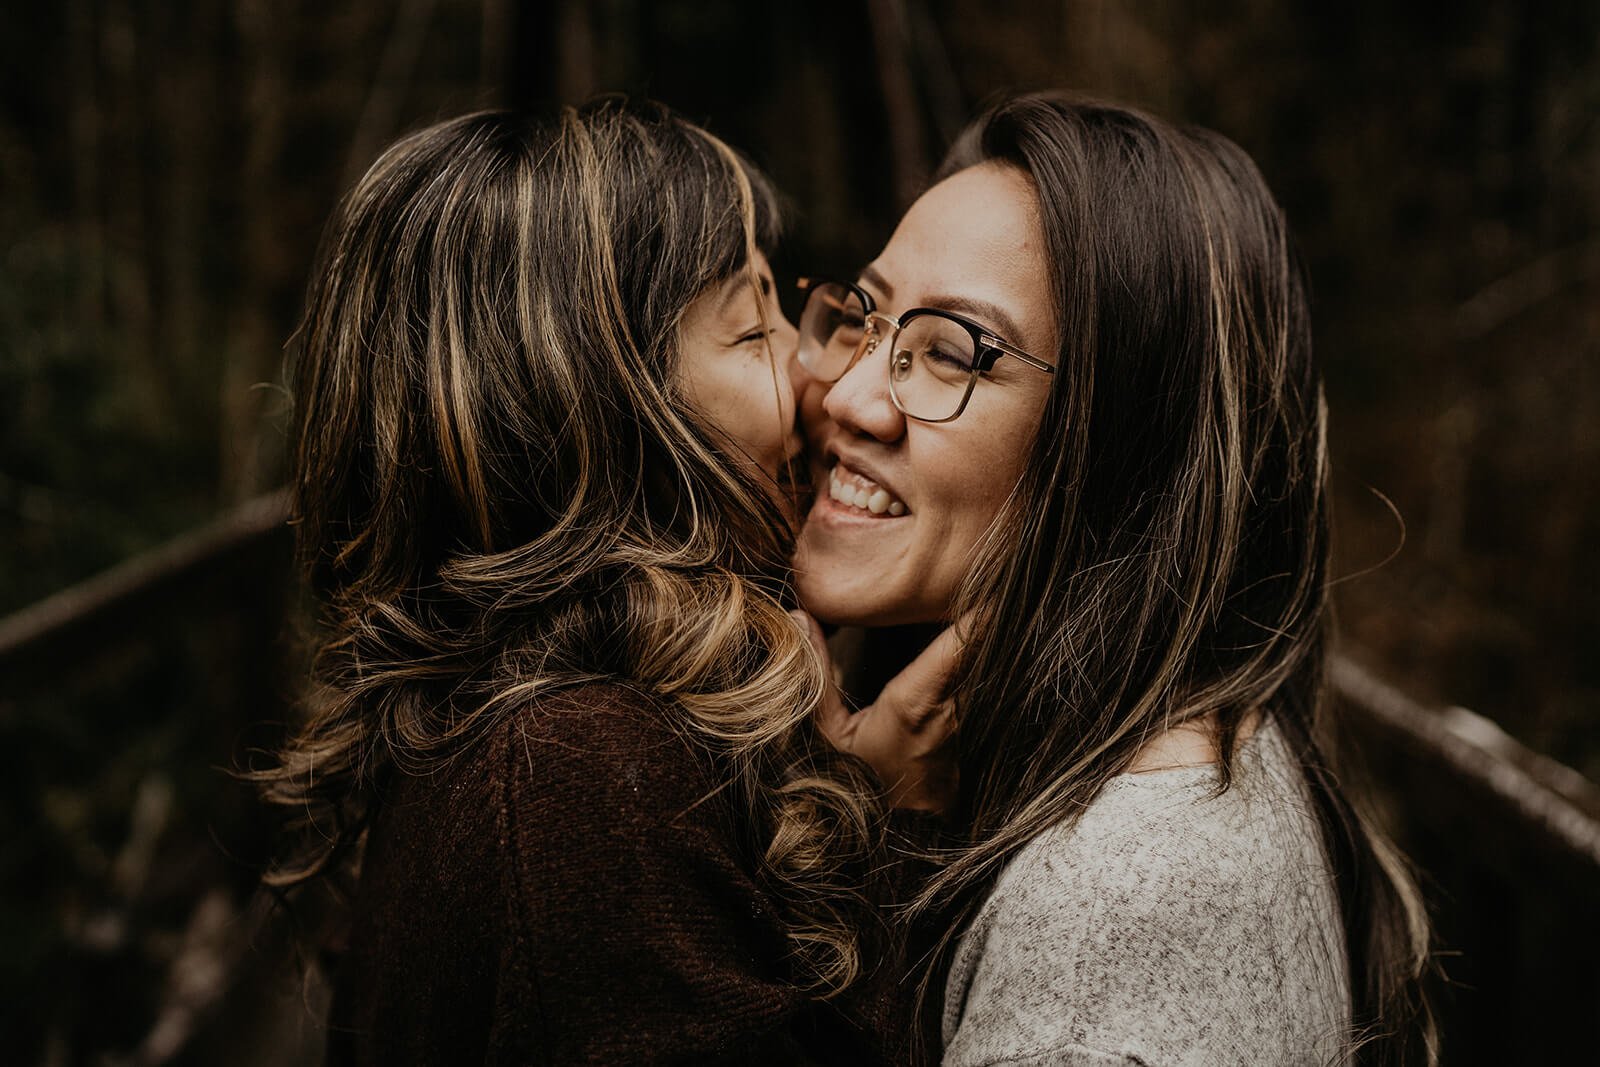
x: 825, y: 605
x: 856, y: 602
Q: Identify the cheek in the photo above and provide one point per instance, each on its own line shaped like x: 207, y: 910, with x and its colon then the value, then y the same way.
x: 759, y: 409
x: 969, y: 483
x: 966, y: 509
x: 783, y: 399
x: 771, y: 404
x: 736, y: 394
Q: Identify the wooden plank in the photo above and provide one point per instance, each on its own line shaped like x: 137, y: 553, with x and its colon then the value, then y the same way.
x: 120, y: 606
x: 1533, y: 789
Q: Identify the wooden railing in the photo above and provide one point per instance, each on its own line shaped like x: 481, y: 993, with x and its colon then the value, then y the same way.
x: 1549, y: 800
x: 1508, y: 840
x: 126, y: 701
x: 219, y: 560
x: 1506, y: 843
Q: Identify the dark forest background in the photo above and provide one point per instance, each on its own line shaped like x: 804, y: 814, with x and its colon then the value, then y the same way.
x: 165, y: 169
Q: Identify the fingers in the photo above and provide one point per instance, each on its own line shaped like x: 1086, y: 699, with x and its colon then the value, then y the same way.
x: 832, y: 717
x: 813, y: 631
x: 918, y: 693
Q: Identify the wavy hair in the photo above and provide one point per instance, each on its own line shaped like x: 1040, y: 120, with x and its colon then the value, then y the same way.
x: 499, y: 490
x: 1165, y: 556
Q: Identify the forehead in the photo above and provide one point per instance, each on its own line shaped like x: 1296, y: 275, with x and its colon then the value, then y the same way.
x: 975, y: 235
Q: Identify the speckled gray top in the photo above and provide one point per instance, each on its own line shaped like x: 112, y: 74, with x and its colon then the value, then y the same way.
x: 1167, y: 926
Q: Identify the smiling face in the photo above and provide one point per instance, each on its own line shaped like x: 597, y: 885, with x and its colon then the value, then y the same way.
x: 902, y: 504
x: 726, y: 368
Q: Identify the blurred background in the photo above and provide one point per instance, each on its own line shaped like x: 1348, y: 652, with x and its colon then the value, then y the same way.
x: 165, y: 170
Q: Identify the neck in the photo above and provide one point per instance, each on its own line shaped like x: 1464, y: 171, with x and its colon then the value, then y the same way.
x: 1188, y: 744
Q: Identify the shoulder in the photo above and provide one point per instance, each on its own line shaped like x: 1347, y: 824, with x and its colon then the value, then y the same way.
x: 1163, y: 901
x: 590, y: 845
x: 1171, y: 850
x: 598, y: 757
x: 1167, y: 847
x: 600, y: 718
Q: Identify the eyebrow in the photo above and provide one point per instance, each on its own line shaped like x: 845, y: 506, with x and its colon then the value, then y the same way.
x: 1004, y: 324
x: 870, y: 273
x: 984, y: 309
x: 734, y: 284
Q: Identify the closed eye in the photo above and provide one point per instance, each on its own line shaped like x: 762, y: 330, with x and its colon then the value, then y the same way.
x: 947, y: 358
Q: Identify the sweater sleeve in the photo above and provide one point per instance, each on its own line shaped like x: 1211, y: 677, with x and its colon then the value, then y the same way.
x: 637, y: 935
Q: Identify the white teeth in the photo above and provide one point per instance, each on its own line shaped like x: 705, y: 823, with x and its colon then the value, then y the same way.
x: 868, y: 497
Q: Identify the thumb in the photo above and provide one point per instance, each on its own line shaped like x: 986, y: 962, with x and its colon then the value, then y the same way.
x: 919, y: 691
x: 832, y: 716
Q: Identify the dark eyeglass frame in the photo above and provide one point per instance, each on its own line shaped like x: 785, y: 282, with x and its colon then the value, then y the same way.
x: 986, y: 347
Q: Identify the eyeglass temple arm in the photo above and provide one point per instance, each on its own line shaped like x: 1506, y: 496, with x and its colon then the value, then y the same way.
x: 1013, y: 350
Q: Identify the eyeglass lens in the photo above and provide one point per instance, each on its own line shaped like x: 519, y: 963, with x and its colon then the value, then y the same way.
x: 930, y: 367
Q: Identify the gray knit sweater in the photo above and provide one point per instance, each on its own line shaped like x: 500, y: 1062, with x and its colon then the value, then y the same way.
x: 1166, y: 926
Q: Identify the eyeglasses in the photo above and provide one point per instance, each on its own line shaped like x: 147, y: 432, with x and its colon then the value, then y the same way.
x: 935, y: 357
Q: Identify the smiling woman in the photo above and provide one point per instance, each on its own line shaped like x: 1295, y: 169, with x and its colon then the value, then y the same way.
x: 970, y: 246
x: 1072, y: 406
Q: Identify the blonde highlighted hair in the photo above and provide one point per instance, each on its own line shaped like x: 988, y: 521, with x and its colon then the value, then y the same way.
x: 500, y: 491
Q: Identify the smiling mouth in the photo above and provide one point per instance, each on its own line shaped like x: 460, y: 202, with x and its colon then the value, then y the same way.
x: 863, y: 494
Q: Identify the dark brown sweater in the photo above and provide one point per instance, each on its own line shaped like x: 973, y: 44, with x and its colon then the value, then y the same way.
x: 569, y: 891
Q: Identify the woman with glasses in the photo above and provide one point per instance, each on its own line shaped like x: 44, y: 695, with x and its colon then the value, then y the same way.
x: 561, y: 717
x: 1073, y: 405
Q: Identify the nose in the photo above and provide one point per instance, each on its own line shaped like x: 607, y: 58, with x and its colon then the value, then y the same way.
x: 859, y: 401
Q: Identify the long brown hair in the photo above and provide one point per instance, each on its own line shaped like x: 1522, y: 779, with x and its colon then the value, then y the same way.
x: 1165, y: 555
x: 500, y: 491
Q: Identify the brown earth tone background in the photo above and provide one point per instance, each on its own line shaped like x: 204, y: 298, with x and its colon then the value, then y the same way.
x: 164, y: 173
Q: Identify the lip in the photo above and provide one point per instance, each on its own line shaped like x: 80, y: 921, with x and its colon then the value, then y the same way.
x: 867, y: 469
x: 828, y: 513
x: 832, y: 512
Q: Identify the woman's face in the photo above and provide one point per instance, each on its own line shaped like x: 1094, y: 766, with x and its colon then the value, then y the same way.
x: 726, y: 367
x: 971, y: 245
